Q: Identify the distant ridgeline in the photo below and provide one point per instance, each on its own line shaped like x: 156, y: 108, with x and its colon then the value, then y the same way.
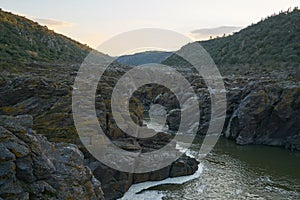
x: 144, y: 58
x: 273, y: 42
x: 24, y: 40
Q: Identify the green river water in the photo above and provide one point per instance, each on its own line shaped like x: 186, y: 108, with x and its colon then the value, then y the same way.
x: 231, y: 171
x: 241, y: 172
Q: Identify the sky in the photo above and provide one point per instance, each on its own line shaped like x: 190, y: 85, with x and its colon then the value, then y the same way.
x: 92, y: 22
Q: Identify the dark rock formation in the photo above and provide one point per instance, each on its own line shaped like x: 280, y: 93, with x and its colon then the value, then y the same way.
x: 48, y: 99
x: 269, y: 115
x: 116, y: 183
x: 33, y: 168
x: 260, y: 109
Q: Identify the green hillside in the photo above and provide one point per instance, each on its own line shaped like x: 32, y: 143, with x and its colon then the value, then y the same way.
x: 26, y: 41
x: 273, y: 42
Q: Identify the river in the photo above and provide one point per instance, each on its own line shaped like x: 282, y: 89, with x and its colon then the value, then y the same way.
x: 231, y: 171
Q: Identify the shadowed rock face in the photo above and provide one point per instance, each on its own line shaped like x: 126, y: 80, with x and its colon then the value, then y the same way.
x: 116, y: 183
x: 33, y: 168
x: 261, y: 108
x: 269, y: 115
x: 48, y: 99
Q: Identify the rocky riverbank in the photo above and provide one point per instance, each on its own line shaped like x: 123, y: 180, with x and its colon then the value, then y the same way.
x: 268, y: 114
x: 47, y: 98
x: 31, y: 167
x: 261, y: 108
x: 34, y: 168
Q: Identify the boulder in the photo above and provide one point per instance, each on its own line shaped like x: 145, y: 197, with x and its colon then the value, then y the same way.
x: 33, y: 168
x: 116, y: 183
x: 269, y: 115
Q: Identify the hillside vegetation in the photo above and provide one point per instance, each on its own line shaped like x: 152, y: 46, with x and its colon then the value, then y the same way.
x: 26, y: 41
x: 273, y: 42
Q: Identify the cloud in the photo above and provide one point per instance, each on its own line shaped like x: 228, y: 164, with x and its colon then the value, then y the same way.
x: 206, y: 33
x: 53, y: 23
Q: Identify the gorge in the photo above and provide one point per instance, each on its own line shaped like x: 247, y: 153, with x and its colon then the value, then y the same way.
x: 42, y: 156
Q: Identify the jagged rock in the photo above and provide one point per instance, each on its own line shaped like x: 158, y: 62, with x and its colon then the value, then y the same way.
x: 260, y: 110
x: 6, y: 169
x: 6, y: 155
x: 116, y: 183
x: 167, y: 99
x: 33, y: 168
x: 153, y: 176
x: 25, y: 169
x: 173, y: 119
x: 53, y: 119
x: 183, y: 166
x: 269, y: 115
x: 293, y: 142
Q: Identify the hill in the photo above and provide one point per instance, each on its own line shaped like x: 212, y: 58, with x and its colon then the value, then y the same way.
x: 273, y: 42
x: 24, y: 40
x: 144, y: 58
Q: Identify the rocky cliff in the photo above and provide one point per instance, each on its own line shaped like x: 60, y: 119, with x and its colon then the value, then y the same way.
x: 268, y: 115
x: 261, y: 109
x: 48, y: 100
x: 31, y: 167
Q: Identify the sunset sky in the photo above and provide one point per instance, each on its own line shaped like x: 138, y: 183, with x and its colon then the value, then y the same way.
x: 94, y: 21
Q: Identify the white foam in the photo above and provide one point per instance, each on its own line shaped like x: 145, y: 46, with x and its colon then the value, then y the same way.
x: 150, y: 195
x: 136, y: 188
x: 184, y: 150
x: 157, y: 127
x: 147, y: 195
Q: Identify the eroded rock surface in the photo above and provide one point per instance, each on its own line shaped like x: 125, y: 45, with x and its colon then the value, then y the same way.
x: 33, y: 168
x: 48, y: 98
x: 261, y: 109
x: 268, y: 115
